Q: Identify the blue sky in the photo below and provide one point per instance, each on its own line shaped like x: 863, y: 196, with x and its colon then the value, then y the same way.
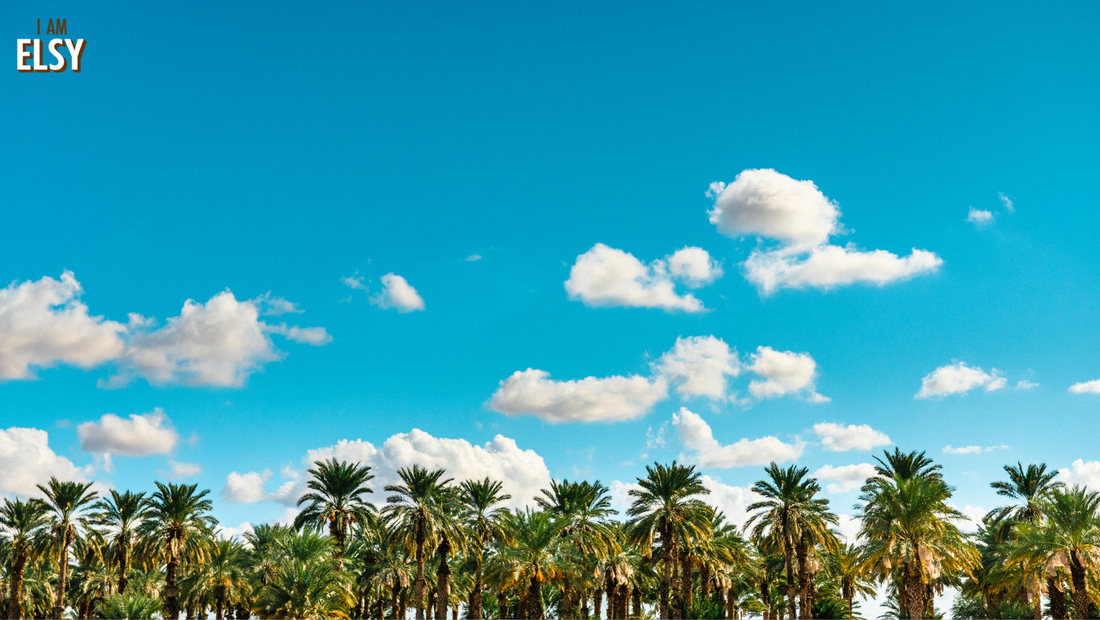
x: 277, y: 149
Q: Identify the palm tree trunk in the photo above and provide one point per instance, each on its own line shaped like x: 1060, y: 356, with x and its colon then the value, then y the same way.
x: 171, y: 591
x: 395, y: 607
x: 418, y: 590
x: 123, y: 564
x: 502, y: 604
x: 788, y: 565
x: 63, y: 573
x: 914, y: 589
x: 443, y: 580
x: 584, y: 605
x: 566, y: 609
x: 15, y: 598
x: 1080, y: 593
x: 803, y: 580
x: 219, y: 607
x: 731, y: 606
x: 597, y: 603
x: 473, y: 610
x: 766, y: 597
x: 534, y: 601
x: 636, y: 602
x: 687, y: 581
x: 675, y: 606
x: 624, y: 595
x: 430, y: 611
x: 612, y: 597
x: 668, y: 552
x: 1057, y: 600
x: 338, y: 535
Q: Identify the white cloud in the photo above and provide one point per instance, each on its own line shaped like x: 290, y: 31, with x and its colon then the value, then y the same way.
x: 699, y: 366
x: 958, y: 378
x: 832, y: 265
x: 1023, y: 384
x: 397, y: 294
x: 218, y: 343
x: 592, y: 399
x: 354, y: 281
x: 1006, y: 202
x: 846, y: 477
x: 801, y: 219
x: 973, y: 515
x: 948, y: 449
x: 229, y: 532
x: 316, y: 336
x: 177, y: 470
x: 697, y: 436
x: 44, y: 323
x: 141, y: 435
x: 1087, y: 387
x: 840, y: 438
x: 606, y: 277
x: 248, y: 488
x: 784, y: 372
x: 620, y: 494
x: 473, y: 258
x: 26, y: 460
x: 276, y: 306
x: 1080, y: 472
x: 979, y: 218
x: 731, y: 501
x: 848, y: 528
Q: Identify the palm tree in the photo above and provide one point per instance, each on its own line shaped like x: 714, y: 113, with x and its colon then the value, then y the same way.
x: 223, y: 575
x: 414, y: 510
x: 532, y: 554
x: 787, y: 513
x: 23, y: 521
x: 176, y: 522
x: 1029, y: 487
x: 1068, y: 536
x: 482, y: 499
x: 336, y: 499
x: 846, y: 567
x: 122, y: 513
x: 452, y: 538
x: 128, y: 606
x: 666, y: 505
x: 66, y: 503
x: 910, y: 527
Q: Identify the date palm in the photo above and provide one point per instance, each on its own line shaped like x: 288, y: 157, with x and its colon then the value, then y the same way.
x: 414, y: 510
x: 176, y: 524
x: 1029, y: 487
x: 483, y: 514
x: 909, y: 527
x: 121, y: 513
x: 23, y: 522
x: 1068, y: 536
x: 667, y: 505
x: 792, y: 517
x: 67, y: 503
x: 336, y: 500
x: 845, y: 566
x: 533, y: 555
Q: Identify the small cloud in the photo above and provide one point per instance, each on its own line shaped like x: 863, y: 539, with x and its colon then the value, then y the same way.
x: 1007, y: 202
x: 275, y: 306
x: 1024, y: 384
x: 972, y: 449
x: 354, y: 281
x: 958, y: 378
x: 473, y: 258
x: 979, y: 218
x: 1087, y: 387
x: 397, y: 294
x: 846, y: 477
x: 177, y: 470
x: 840, y: 438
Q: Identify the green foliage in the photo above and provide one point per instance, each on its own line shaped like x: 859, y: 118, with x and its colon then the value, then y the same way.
x: 124, y: 606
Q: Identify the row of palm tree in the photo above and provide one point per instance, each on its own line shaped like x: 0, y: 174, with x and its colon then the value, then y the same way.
x: 437, y: 547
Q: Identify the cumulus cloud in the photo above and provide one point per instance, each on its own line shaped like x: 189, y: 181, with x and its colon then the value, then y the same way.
x: 620, y: 494
x: 228, y: 532
x: 354, y: 281
x: 177, y: 470
x: 141, y: 435
x: 1006, y: 202
x: 1082, y: 473
x: 699, y: 366
x: 1023, y: 384
x: 730, y: 500
x: 979, y: 218
x: 1086, y: 387
x: 316, y: 336
x: 697, y: 436
x: 276, y: 306
x: 799, y: 219
x: 840, y: 438
x: 397, y: 294
x: 848, y: 529
x: 846, y: 477
x: 592, y: 399
x: 44, y: 323
x: 522, y: 472
x: 948, y: 449
x: 26, y: 459
x: 606, y: 277
x: 696, y: 366
x: 973, y: 514
x: 958, y: 378
x: 784, y: 372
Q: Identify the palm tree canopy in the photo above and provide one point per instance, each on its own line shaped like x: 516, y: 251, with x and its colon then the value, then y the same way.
x: 336, y: 499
